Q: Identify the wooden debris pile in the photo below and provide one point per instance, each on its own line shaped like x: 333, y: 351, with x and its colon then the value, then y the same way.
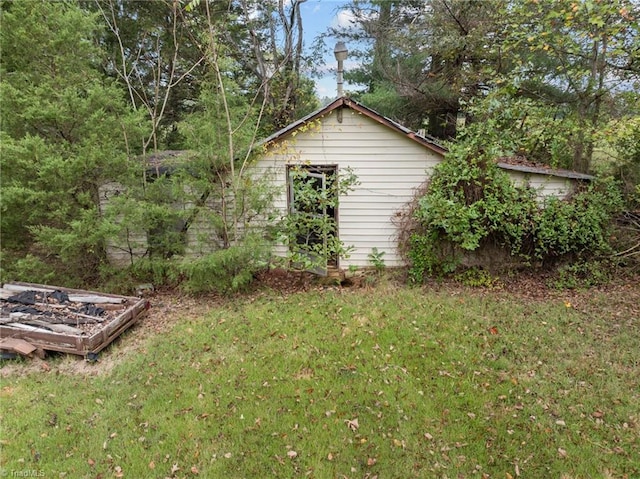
x: 62, y: 319
x: 76, y: 314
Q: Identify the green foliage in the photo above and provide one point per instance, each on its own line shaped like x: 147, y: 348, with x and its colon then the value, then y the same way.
x: 376, y: 258
x: 582, y: 274
x: 28, y: 266
x: 429, y: 256
x: 567, y: 54
x: 65, y: 129
x: 476, y: 278
x: 470, y: 202
x: 309, y: 230
x: 516, y: 125
x: 622, y: 138
x: 580, y: 225
x: 227, y: 270
x: 157, y: 271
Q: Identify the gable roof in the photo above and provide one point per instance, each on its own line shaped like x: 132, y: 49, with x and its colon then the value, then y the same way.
x: 424, y: 140
x: 344, y: 102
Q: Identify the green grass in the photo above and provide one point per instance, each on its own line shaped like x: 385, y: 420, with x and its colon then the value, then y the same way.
x: 392, y: 382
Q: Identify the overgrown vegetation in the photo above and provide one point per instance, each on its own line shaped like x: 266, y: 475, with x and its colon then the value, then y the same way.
x: 384, y: 382
x: 116, y: 83
x: 470, y: 203
x: 310, y: 230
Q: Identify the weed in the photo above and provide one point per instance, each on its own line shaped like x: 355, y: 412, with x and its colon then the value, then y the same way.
x: 476, y: 278
x: 582, y: 274
x: 376, y: 258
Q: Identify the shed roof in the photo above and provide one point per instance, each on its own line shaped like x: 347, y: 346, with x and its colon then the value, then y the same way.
x: 344, y: 102
x: 519, y: 163
x: 510, y: 163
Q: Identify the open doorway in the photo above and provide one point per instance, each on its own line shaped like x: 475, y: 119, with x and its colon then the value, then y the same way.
x: 312, y: 197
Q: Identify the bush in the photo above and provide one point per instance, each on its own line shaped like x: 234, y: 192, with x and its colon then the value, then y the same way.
x: 226, y: 270
x: 582, y: 274
x: 470, y: 202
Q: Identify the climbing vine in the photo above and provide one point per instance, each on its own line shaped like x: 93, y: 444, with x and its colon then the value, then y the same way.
x: 309, y: 230
x: 470, y: 203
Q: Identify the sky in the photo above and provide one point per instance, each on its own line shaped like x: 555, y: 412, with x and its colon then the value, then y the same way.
x: 317, y: 17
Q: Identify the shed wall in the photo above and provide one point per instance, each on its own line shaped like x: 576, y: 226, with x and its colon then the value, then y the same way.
x: 388, y: 166
x: 544, y: 185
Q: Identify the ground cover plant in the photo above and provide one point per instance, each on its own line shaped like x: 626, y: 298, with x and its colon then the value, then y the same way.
x: 345, y: 383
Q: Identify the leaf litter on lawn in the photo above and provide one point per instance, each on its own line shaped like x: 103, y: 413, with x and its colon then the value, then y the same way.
x: 389, y: 382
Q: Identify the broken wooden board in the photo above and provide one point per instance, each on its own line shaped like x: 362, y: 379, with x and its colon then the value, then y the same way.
x: 20, y: 346
x: 17, y: 345
x: 50, y: 318
x: 75, y: 296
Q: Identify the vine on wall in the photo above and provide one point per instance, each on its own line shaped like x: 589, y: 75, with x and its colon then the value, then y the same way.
x: 470, y: 203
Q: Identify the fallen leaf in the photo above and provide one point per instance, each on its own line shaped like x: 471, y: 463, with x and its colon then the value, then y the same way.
x: 292, y: 454
x: 493, y: 330
x: 152, y: 465
x: 91, y: 462
x: 562, y: 453
x: 371, y: 461
x: 352, y: 424
x: 174, y: 468
x: 194, y: 470
x: 330, y: 457
x: 597, y: 414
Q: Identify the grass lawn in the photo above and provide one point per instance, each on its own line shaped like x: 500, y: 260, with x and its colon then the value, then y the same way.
x: 387, y: 382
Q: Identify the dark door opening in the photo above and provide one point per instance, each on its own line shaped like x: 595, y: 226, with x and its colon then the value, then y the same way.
x: 312, y: 195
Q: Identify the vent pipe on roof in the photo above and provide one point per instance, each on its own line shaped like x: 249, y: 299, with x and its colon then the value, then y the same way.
x: 340, y: 52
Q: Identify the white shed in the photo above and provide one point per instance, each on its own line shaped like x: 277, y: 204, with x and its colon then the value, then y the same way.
x: 390, y: 161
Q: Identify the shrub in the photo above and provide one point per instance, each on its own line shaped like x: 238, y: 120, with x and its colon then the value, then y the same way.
x: 470, y: 202
x: 226, y: 270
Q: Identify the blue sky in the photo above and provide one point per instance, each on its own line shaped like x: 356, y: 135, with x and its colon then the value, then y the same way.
x: 317, y: 17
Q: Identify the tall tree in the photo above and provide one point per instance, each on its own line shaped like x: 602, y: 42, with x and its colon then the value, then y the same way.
x: 267, y: 39
x: 574, y: 55
x: 426, y: 58
x: 153, y: 52
x: 157, y: 51
x: 65, y: 129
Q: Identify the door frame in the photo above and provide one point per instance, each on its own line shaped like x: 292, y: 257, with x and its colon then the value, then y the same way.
x: 321, y: 173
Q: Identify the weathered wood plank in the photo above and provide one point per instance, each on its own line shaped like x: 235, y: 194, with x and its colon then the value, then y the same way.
x: 73, y: 297
x: 26, y: 327
x: 18, y: 288
x: 18, y: 345
x: 56, y: 328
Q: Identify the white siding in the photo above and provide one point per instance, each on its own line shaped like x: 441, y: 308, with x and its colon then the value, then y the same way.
x: 389, y: 168
x: 545, y: 185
